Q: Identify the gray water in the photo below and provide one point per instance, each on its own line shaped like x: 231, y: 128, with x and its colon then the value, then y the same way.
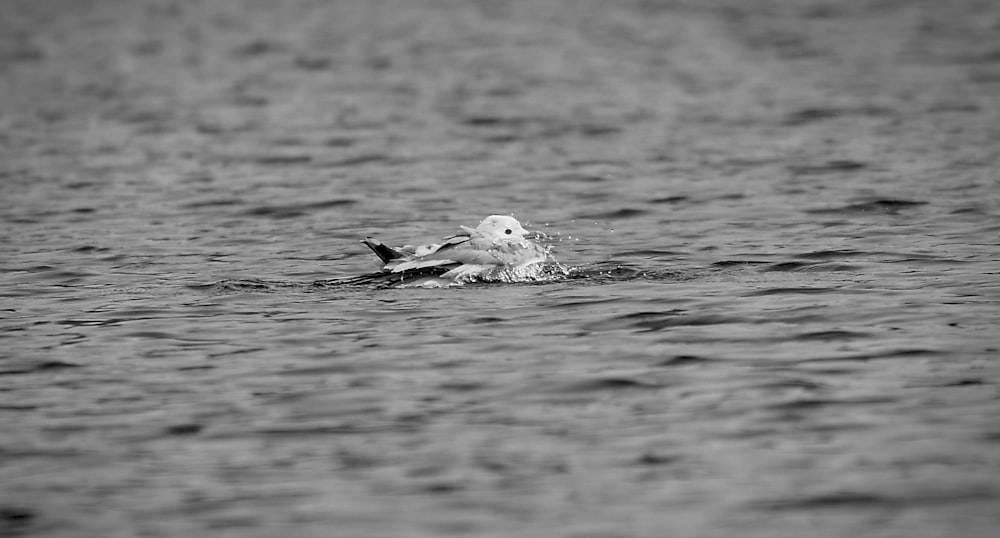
x: 779, y: 222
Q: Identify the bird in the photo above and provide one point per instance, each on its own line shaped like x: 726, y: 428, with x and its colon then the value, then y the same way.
x: 498, y: 249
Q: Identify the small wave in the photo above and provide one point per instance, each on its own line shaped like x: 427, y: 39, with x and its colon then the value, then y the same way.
x: 810, y: 267
x: 612, y: 383
x: 792, y: 291
x: 623, y: 213
x: 295, y: 210
x: 34, y: 367
x: 686, y: 360
x: 648, y: 253
x: 815, y: 114
x: 282, y: 160
x: 576, y: 177
x: 867, y: 357
x: 359, y: 160
x: 828, y: 336
x: 246, y: 285
x: 738, y: 263
x: 885, y: 207
x: 829, y: 167
x: 855, y: 500
x: 658, y: 321
x: 669, y: 200
x: 800, y: 404
x: 830, y: 254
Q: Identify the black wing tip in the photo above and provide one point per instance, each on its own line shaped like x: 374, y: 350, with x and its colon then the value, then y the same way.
x: 383, y: 252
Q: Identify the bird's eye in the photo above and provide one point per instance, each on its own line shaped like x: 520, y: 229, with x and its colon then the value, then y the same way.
x: 508, y: 231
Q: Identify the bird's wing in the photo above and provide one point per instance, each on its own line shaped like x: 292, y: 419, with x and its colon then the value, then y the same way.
x: 449, y: 244
x: 384, y: 253
x: 450, y: 257
x: 408, y: 252
x: 455, y: 251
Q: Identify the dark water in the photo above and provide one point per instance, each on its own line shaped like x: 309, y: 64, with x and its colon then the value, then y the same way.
x: 781, y: 221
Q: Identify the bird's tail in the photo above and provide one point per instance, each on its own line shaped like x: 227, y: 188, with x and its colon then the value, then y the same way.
x: 383, y: 252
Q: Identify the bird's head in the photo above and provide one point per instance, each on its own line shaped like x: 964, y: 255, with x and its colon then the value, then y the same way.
x: 502, y: 227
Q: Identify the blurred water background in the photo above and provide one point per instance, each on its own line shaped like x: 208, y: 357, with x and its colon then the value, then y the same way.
x: 782, y: 221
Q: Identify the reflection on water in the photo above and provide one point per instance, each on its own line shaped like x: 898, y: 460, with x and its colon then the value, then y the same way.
x: 773, y: 310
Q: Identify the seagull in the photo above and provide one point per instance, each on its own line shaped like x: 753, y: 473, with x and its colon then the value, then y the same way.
x: 498, y: 249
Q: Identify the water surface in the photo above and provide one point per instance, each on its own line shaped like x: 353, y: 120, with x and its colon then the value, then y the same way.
x: 779, y: 222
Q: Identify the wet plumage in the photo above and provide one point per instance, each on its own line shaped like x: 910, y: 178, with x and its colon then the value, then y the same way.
x: 498, y: 248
